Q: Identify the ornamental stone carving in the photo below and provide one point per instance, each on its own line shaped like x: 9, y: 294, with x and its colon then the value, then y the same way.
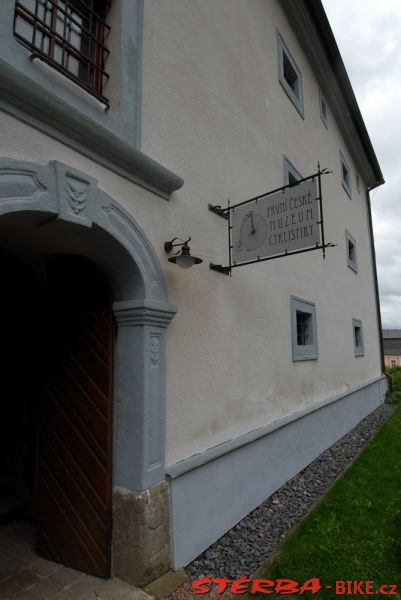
x: 76, y: 193
x: 154, y: 349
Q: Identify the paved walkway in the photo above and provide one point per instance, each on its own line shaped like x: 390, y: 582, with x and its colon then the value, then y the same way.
x: 25, y: 576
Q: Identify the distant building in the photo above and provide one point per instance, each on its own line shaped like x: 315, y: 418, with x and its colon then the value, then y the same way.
x: 392, y: 347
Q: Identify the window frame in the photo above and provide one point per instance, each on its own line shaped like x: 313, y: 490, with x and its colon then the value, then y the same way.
x: 393, y: 360
x: 301, y: 352
x: 357, y: 183
x: 289, y: 169
x: 323, y: 115
x: 359, y: 350
x: 352, y: 263
x: 54, y: 15
x: 298, y: 101
x: 346, y: 186
x: 52, y: 95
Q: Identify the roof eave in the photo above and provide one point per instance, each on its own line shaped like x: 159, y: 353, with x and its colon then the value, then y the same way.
x: 309, y: 22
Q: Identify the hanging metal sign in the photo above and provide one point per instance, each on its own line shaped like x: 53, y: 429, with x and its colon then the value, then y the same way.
x: 286, y: 221
x: 283, y: 222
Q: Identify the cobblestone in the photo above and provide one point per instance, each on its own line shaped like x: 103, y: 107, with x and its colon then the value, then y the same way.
x: 25, y: 576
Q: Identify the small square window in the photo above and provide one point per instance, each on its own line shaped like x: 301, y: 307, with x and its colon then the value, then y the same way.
x: 303, y: 326
x: 323, y: 109
x: 291, y: 175
x: 290, y: 76
x: 350, y: 245
x: 359, y: 349
x: 345, y: 175
x: 393, y: 363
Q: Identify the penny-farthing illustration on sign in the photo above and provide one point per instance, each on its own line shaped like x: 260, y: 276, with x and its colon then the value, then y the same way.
x: 253, y: 231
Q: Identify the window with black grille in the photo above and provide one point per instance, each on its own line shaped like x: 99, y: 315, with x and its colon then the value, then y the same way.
x: 70, y: 35
x: 303, y: 329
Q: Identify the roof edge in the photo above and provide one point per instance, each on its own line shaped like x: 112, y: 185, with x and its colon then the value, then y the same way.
x: 311, y: 25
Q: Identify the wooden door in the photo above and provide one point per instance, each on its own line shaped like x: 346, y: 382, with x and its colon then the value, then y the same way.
x: 74, y: 466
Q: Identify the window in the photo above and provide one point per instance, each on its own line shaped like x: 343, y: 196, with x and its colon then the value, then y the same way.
x: 359, y: 349
x: 357, y: 182
x: 345, y: 175
x: 62, y: 105
x: 351, y: 251
x: 323, y: 109
x: 291, y: 175
x: 69, y: 35
x: 303, y: 326
x: 393, y: 363
x: 290, y: 76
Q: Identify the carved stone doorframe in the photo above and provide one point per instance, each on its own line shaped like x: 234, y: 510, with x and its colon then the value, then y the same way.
x: 58, y: 192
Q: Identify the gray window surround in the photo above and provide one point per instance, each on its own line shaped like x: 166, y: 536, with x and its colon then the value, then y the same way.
x: 289, y: 170
x: 323, y: 108
x: 296, y: 98
x: 345, y: 184
x: 352, y: 262
x: 357, y: 334
x: 309, y: 351
x: 35, y: 93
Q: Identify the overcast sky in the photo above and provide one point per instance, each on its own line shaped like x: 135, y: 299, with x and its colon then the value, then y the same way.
x: 368, y: 34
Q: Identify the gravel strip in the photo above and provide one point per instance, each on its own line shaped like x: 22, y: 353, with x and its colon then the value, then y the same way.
x: 243, y: 549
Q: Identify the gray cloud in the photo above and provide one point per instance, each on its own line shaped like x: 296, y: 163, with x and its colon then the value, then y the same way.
x: 368, y: 36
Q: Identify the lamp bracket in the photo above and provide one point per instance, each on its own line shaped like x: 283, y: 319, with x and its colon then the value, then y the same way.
x: 168, y: 246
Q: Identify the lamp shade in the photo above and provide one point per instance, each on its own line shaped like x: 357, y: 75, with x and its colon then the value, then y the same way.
x: 185, y: 260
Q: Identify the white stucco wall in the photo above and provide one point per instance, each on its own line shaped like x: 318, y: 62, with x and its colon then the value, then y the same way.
x: 214, y: 112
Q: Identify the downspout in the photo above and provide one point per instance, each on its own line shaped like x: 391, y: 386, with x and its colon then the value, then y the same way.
x: 376, y: 284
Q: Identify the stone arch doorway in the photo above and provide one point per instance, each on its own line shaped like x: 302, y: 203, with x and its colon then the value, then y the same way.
x: 47, y: 212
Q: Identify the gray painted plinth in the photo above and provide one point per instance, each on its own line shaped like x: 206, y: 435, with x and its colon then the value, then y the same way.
x: 206, y: 501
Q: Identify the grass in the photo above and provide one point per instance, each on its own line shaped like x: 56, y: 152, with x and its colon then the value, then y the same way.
x: 354, y: 532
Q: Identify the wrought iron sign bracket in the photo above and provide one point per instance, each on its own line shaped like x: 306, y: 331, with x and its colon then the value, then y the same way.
x: 220, y: 269
x: 218, y: 210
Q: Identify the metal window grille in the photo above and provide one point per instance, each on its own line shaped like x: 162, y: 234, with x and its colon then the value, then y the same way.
x: 345, y: 175
x: 351, y: 251
x: 358, y: 337
x: 290, y: 75
x: 69, y: 35
x: 303, y: 328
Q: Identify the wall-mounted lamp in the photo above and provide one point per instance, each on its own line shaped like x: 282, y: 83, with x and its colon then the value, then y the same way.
x: 183, y: 259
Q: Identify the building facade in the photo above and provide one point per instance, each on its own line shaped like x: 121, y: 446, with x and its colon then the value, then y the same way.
x: 392, y: 347
x: 162, y: 404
